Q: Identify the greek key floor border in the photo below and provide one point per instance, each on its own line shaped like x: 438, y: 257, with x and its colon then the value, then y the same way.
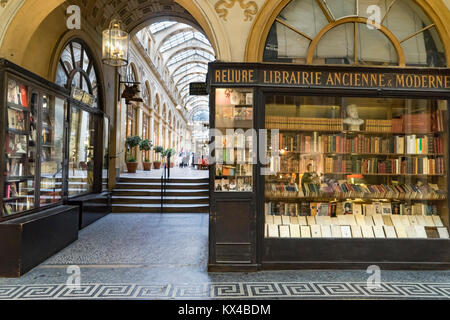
x: 229, y: 290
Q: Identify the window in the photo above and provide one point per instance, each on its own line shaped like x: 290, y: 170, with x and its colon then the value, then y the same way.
x: 347, y: 167
x: 81, y: 152
x: 338, y: 32
x: 76, y: 69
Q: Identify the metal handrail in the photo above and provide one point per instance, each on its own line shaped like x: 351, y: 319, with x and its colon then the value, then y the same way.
x: 164, y: 179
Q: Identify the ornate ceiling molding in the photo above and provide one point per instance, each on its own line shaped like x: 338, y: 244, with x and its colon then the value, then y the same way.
x: 250, y: 8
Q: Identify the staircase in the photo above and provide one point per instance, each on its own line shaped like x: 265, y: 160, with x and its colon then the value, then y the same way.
x: 143, y: 195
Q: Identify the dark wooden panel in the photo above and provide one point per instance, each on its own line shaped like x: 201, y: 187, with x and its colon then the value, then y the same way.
x: 233, y: 221
x: 92, y: 207
x: 357, y: 251
x: 32, y: 239
x: 234, y: 253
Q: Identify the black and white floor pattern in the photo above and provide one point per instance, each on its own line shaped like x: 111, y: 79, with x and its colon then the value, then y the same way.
x: 235, y: 290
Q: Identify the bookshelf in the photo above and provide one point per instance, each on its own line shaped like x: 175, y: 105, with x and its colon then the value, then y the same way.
x: 234, y: 147
x: 394, y: 162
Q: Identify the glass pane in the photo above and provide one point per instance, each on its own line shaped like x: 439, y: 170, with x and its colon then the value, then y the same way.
x: 366, y: 8
x: 341, y: 8
x: 66, y: 57
x: 20, y: 149
x: 304, y: 15
x: 61, y: 77
x: 81, y: 153
x: 374, y: 48
x: 77, y: 53
x: 105, y: 154
x: 52, y: 143
x: 356, y: 168
x: 234, y: 147
x: 337, y: 46
x: 285, y: 45
x: 86, y: 60
x: 425, y: 49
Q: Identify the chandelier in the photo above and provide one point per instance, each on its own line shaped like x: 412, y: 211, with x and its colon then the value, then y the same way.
x: 115, y: 44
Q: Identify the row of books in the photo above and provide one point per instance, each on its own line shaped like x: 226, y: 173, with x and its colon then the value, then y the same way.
x: 425, y: 165
x: 355, y: 220
x: 303, y: 123
x: 334, y: 209
x: 341, y: 143
x: 407, y: 123
x: 337, y: 231
x: 343, y: 189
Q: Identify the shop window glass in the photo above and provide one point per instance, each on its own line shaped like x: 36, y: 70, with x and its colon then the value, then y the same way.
x: 105, y: 154
x: 234, y: 141
x: 81, y: 152
x: 52, y: 148
x: 356, y: 168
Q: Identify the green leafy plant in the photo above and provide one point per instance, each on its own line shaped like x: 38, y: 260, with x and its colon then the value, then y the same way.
x: 170, y: 152
x: 147, y: 160
x: 131, y: 143
x: 160, y: 150
x: 145, y: 145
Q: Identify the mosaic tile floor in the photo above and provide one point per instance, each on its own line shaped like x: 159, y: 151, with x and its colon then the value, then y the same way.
x: 148, y: 256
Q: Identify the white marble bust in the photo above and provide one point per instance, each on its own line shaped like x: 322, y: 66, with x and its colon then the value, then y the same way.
x: 353, y: 119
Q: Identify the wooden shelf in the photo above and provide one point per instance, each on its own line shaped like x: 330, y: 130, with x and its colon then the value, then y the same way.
x: 342, y: 197
x: 19, y: 132
x: 364, y: 154
x: 17, y: 107
x: 355, y: 132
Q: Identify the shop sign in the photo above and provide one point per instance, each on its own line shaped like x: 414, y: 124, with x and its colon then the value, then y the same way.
x: 83, y: 96
x: 333, y: 79
x: 198, y: 89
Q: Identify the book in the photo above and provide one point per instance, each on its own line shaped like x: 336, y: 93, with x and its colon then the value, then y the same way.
x: 269, y: 219
x: 273, y: 231
x: 369, y: 221
x: 412, y: 220
x: 443, y: 233
x: 367, y: 231
x: 294, y: 231
x: 390, y: 232
x: 311, y: 220
x: 285, y: 220
x: 420, y: 231
x: 277, y: 220
x: 411, y: 232
x: 387, y: 221
x: 378, y: 232
x: 401, y: 231
x: 357, y: 209
x: 316, y: 231
x: 302, y: 221
x: 437, y: 221
x: 386, y: 208
x: 432, y: 232
x: 360, y: 220
x: 305, y: 231
x: 378, y: 220
x: 356, y: 231
x: 294, y: 220
x: 336, y: 231
x: 284, y: 232
x: 325, y: 231
x: 346, y: 232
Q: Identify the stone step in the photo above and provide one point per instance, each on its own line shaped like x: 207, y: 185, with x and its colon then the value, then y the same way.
x: 155, y: 200
x: 157, y: 192
x: 158, y: 180
x: 123, y: 185
x: 156, y: 208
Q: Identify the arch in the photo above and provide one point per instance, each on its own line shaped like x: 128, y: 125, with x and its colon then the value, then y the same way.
x: 330, y: 26
x: 157, y: 104
x: 149, y: 95
x: 182, y: 50
x: 436, y: 11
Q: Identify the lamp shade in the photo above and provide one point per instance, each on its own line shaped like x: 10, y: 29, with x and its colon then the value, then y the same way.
x: 115, y: 44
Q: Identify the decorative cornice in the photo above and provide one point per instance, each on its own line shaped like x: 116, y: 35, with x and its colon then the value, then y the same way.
x: 3, y: 3
x: 250, y: 8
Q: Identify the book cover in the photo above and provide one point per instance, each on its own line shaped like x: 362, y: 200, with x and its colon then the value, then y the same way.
x: 305, y: 231
x: 356, y: 232
x: 294, y: 230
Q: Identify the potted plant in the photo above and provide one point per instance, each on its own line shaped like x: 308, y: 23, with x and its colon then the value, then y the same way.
x: 157, y: 163
x: 131, y: 143
x: 170, y: 152
x: 146, y: 145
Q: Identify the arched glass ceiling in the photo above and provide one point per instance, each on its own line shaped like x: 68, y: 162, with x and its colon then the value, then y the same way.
x: 181, y: 38
x: 160, y: 26
x: 186, y: 53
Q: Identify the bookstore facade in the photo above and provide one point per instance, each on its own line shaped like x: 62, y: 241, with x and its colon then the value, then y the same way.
x: 332, y: 152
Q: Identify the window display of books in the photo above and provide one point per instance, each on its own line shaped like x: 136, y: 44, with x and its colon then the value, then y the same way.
x: 234, y: 149
x: 20, y: 152
x: 378, y: 170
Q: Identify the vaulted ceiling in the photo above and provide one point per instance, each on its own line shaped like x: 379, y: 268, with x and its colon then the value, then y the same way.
x: 132, y: 12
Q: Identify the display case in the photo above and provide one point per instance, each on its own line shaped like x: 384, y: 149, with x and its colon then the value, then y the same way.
x: 352, y: 169
x: 34, y: 140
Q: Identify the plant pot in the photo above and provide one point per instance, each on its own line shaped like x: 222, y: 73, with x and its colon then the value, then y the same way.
x: 132, y: 167
x: 147, y: 166
x: 172, y: 164
x: 157, y: 165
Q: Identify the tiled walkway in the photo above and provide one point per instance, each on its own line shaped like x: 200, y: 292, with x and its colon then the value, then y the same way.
x: 150, y: 256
